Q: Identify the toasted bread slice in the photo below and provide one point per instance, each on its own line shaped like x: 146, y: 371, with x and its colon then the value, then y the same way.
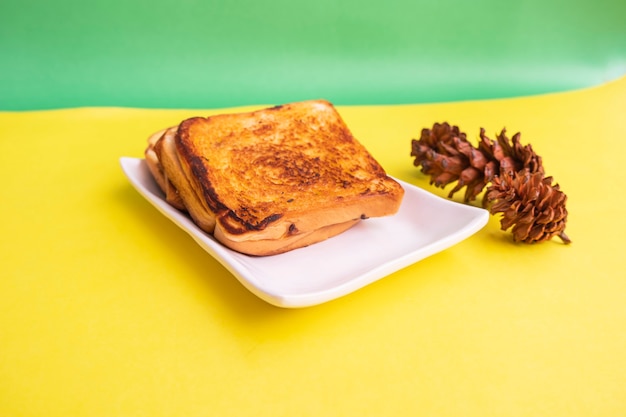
x: 193, y: 203
x: 266, y: 247
x: 276, y: 179
x: 152, y: 160
x: 156, y: 169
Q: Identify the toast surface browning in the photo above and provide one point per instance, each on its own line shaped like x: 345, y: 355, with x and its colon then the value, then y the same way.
x: 276, y: 179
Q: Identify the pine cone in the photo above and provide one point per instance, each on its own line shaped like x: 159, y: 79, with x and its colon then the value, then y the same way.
x: 445, y: 154
x: 530, y: 204
x: 513, y: 174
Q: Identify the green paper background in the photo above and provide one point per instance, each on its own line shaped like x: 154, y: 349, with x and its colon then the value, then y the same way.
x: 207, y: 54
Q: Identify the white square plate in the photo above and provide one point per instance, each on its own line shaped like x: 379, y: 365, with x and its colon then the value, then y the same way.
x: 369, y: 251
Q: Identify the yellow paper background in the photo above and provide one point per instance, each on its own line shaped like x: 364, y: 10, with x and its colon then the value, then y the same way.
x: 108, y: 309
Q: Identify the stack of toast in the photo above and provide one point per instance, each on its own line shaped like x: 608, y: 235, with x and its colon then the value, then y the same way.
x: 272, y: 180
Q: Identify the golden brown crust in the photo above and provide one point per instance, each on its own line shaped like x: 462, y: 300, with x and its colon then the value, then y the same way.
x: 266, y: 247
x: 288, y: 161
x: 165, y: 148
x: 152, y: 160
x: 156, y: 169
